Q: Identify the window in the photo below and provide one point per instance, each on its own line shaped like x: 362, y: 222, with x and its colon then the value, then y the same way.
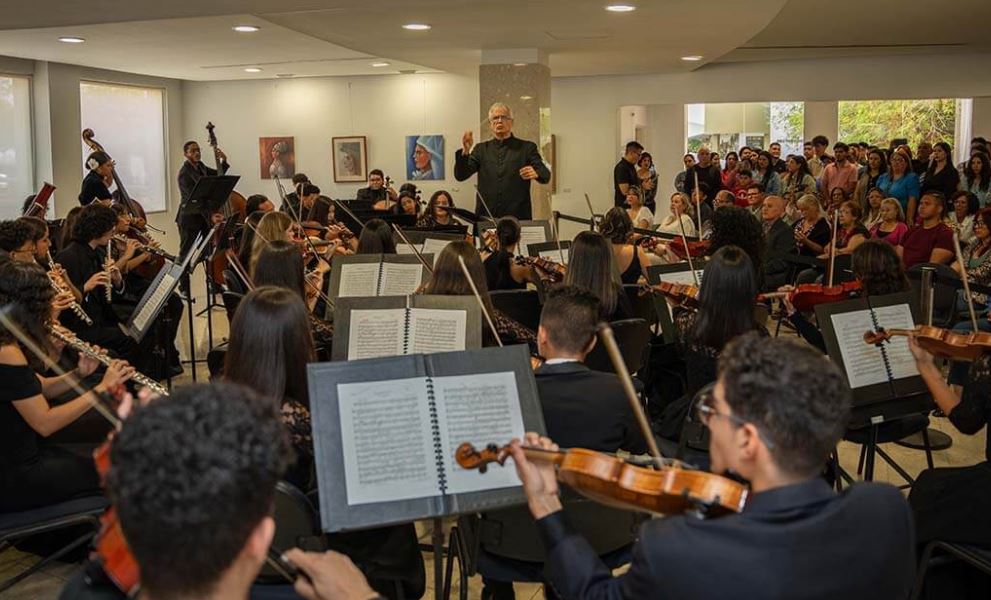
x: 728, y: 126
x: 16, y: 159
x: 129, y: 122
x: 877, y: 122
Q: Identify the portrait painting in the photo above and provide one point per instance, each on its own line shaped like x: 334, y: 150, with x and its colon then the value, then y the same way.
x: 424, y: 157
x: 350, y: 156
x: 277, y: 157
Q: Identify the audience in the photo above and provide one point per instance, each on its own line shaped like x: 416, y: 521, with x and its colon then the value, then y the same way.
x: 932, y: 240
x: 891, y: 228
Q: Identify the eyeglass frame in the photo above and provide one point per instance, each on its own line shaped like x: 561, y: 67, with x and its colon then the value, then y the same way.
x: 498, y: 118
x: 705, y: 410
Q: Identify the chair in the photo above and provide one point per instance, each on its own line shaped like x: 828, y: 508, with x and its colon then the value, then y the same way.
x: 231, y: 302
x: 946, y: 281
x: 18, y: 526
x: 215, y: 361
x: 522, y: 306
x: 632, y: 337
x: 297, y: 526
x: 233, y: 282
x: 939, y: 553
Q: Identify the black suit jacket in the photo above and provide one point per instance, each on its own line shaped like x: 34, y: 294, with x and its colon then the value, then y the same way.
x: 498, y: 164
x: 587, y: 409
x: 189, y: 175
x: 780, y: 241
x: 799, y: 541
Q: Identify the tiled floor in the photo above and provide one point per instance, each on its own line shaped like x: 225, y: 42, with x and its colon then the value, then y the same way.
x: 966, y: 450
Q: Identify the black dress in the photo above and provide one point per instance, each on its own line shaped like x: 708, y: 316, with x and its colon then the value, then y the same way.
x: 32, y: 473
x: 498, y: 272
x: 631, y: 274
x: 93, y: 188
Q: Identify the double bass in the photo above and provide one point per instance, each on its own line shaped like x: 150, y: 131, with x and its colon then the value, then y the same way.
x: 235, y: 204
x: 121, y: 196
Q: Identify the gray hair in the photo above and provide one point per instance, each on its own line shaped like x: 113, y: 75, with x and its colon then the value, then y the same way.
x: 809, y: 200
x: 502, y: 105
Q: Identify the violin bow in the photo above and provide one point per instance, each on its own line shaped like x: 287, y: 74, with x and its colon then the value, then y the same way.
x: 688, y: 252
x: 591, y: 213
x: 319, y: 292
x: 609, y: 339
x: 406, y: 241
x: 478, y: 297
x: 235, y: 264
x: 557, y: 239
x: 53, y: 365
x: 966, y: 282
x: 484, y: 205
x: 832, y: 246
x: 348, y: 211
x: 698, y: 203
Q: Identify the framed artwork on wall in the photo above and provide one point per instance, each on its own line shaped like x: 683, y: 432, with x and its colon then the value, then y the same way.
x: 277, y: 157
x: 424, y: 157
x: 350, y: 156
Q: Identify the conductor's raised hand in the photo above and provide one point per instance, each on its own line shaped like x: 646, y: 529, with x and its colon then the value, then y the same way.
x: 528, y: 173
x: 467, y: 141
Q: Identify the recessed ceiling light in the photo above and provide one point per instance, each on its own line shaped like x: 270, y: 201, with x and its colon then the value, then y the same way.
x: 380, y: 64
x: 246, y: 28
x: 252, y: 70
x: 416, y: 26
x: 71, y: 39
x: 692, y: 57
x: 621, y: 8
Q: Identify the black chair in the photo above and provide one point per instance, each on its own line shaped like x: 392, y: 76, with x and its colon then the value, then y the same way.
x: 233, y: 283
x: 297, y: 526
x: 231, y: 302
x: 17, y: 526
x: 946, y: 281
x: 632, y: 337
x: 522, y: 306
x: 939, y: 553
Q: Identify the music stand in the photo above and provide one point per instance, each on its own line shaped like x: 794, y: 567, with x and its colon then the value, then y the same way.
x: 210, y: 193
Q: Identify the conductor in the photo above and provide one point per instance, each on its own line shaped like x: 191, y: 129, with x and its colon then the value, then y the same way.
x: 505, y: 166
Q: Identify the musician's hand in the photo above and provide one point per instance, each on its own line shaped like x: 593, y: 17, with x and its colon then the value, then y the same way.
x: 922, y: 357
x: 86, y: 365
x: 332, y: 576
x: 131, y: 248
x: 116, y: 374
x: 539, y: 479
x: 99, y: 279
x: 128, y: 402
x: 216, y: 218
x: 467, y: 141
x: 61, y: 301
x: 221, y: 155
x: 528, y: 173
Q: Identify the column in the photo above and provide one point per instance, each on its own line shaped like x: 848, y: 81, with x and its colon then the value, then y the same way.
x: 822, y: 118
x: 521, y: 79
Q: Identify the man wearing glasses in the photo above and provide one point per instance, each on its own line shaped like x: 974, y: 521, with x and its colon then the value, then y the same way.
x: 505, y: 166
x: 777, y: 411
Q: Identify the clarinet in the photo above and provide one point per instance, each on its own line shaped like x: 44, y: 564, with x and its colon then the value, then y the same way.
x: 148, y: 248
x: 83, y: 348
x: 108, y: 266
x: 53, y: 278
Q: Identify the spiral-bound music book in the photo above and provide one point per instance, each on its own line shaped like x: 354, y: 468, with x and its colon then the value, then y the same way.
x: 385, y: 431
x: 376, y: 275
x: 397, y: 325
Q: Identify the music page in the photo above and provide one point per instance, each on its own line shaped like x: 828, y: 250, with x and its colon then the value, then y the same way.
x: 864, y: 362
x: 386, y: 441
x: 684, y: 277
x: 554, y: 255
x: 376, y: 333
x: 432, y: 246
x: 400, y: 279
x: 481, y: 409
x: 359, y: 279
x: 532, y: 234
x: 435, y: 330
x: 898, y: 316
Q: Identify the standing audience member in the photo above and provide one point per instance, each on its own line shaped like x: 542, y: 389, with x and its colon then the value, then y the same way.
x: 841, y: 173
x: 877, y: 165
x: 901, y: 183
x: 977, y: 178
x: 624, y: 174
x: 941, y: 176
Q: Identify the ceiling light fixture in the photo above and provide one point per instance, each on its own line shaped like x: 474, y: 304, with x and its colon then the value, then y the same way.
x: 252, y: 70
x: 246, y: 28
x: 416, y: 27
x: 692, y: 57
x: 71, y: 39
x: 621, y: 8
x: 526, y: 97
x: 380, y: 64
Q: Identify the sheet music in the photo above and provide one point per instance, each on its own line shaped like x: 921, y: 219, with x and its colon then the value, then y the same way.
x: 531, y: 234
x: 436, y: 330
x: 554, y: 255
x: 140, y: 320
x: 432, y: 246
x: 403, y: 248
x: 376, y: 333
x: 359, y: 279
x: 481, y: 409
x: 864, y: 362
x: 400, y: 279
x: 386, y: 440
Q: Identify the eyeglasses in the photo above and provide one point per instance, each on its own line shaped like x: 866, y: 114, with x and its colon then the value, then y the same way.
x: 705, y: 411
x: 498, y: 118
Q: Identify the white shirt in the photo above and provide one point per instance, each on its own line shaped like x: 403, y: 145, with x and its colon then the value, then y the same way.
x: 560, y: 361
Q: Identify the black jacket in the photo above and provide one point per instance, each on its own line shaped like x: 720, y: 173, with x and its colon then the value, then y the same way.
x: 780, y: 240
x: 498, y: 164
x: 794, y: 542
x: 93, y: 188
x: 189, y: 175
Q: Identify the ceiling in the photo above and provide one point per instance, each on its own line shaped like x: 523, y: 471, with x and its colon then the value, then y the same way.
x: 193, y: 40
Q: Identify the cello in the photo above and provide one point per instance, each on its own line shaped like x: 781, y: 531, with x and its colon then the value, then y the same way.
x: 235, y: 204
x: 121, y: 196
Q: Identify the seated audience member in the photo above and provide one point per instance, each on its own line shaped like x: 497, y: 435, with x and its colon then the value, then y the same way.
x: 851, y: 232
x: 774, y: 423
x: 376, y: 190
x: 435, y: 214
x: 631, y: 259
x: 780, y: 240
x: 257, y: 202
x: 449, y: 280
x: 812, y: 232
x: 932, y: 240
x: 961, y: 212
x: 891, y: 227
x: 640, y: 215
x: 976, y: 260
x: 592, y: 268
x: 734, y: 226
x: 682, y: 218
x: 755, y: 200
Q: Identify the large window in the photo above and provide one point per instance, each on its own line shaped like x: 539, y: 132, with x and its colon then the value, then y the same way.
x: 16, y: 164
x: 728, y: 126
x: 877, y: 122
x: 129, y: 122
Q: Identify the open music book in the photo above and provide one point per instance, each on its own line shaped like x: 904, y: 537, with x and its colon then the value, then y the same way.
x: 531, y: 232
x: 392, y: 326
x: 375, y: 275
x: 385, y: 432
x: 551, y: 250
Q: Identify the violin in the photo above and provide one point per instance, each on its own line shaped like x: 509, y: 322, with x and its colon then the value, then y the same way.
x: 610, y: 480
x: 807, y: 295
x: 944, y: 343
x: 554, y: 271
x: 683, y: 293
x: 694, y: 248
x: 112, y: 551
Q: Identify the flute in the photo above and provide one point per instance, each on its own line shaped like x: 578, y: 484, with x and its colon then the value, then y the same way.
x: 83, y: 348
x: 108, y: 266
x: 55, y: 278
x: 147, y: 248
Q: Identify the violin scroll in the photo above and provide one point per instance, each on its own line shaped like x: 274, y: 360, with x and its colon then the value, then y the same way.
x: 469, y: 458
x: 876, y: 337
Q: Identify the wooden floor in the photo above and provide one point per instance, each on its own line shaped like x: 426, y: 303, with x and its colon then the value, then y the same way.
x: 966, y: 450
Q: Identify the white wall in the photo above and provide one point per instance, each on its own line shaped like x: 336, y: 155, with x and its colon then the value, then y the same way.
x: 385, y: 109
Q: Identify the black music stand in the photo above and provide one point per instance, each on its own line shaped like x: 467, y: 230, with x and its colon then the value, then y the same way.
x: 675, y: 273
x: 210, y: 193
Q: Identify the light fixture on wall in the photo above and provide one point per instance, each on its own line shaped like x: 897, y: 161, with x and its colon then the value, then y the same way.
x: 380, y: 64
x: 692, y: 58
x: 245, y: 28
x: 524, y: 98
x: 252, y: 70
x: 71, y: 39
x: 416, y: 27
x: 621, y: 8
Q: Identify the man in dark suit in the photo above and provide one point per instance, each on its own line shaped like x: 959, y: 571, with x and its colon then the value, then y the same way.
x: 779, y: 239
x: 505, y: 165
x: 777, y: 411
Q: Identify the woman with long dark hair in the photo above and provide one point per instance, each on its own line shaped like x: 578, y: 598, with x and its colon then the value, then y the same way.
x: 765, y: 175
x: 797, y: 180
x: 735, y: 226
x: 35, y: 473
x: 941, y: 176
x: 376, y: 238
x: 965, y: 206
x: 877, y: 165
x: 631, y: 260
x: 501, y: 270
x: 728, y: 174
x: 435, y: 214
x: 977, y: 177
x: 592, y: 268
